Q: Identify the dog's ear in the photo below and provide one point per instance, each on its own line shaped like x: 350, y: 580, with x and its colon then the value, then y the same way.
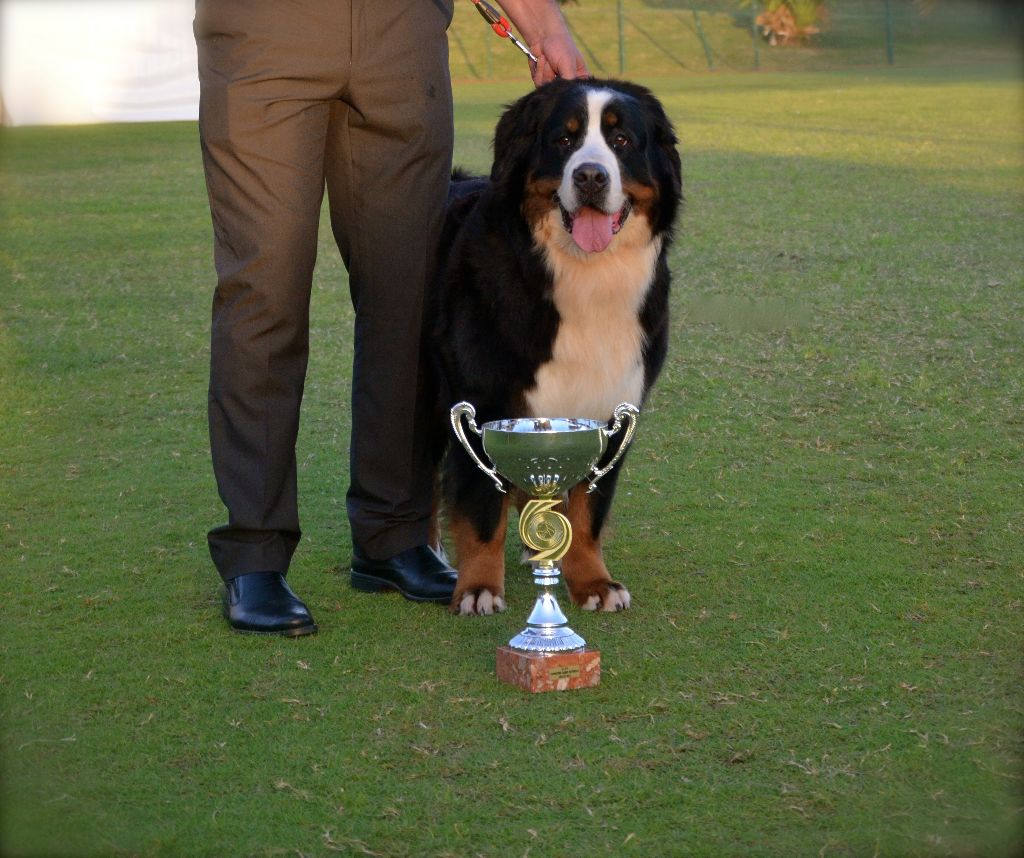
x: 666, y: 165
x: 515, y: 137
x: 665, y: 140
x: 668, y: 144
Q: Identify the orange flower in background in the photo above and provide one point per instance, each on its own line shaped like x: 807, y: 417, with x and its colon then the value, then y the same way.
x: 786, y: 21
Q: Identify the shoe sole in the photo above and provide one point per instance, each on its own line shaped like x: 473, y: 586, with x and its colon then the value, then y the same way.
x: 370, y: 584
x: 286, y: 633
x: 295, y: 632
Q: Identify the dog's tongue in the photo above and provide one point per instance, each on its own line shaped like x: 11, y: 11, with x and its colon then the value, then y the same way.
x: 592, y: 229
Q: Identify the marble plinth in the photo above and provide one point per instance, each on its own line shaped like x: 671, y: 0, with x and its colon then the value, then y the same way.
x: 551, y: 671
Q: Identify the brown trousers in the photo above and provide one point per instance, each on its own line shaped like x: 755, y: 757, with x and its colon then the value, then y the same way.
x: 354, y: 96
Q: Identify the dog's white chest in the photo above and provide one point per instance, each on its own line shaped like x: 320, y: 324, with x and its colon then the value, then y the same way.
x: 597, y: 357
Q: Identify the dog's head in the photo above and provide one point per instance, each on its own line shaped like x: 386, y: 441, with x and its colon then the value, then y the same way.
x: 589, y: 156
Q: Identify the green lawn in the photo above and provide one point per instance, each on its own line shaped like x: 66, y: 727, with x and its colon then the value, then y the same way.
x: 820, y: 523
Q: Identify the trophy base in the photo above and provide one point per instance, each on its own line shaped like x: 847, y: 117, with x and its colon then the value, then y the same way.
x: 549, y: 671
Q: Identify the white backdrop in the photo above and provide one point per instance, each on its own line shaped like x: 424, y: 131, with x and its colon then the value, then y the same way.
x: 74, y: 61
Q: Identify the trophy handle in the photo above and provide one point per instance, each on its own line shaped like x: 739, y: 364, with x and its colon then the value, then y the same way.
x: 626, y: 412
x: 458, y: 412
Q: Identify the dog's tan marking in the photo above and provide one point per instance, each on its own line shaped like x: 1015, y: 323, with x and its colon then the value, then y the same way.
x: 590, y: 585
x: 539, y: 200
x: 641, y: 195
x: 597, y: 357
x: 481, y: 585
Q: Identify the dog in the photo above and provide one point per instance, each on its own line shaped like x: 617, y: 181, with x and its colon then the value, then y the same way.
x: 552, y: 301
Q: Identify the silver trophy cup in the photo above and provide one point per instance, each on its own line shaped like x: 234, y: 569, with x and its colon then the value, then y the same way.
x: 545, y: 458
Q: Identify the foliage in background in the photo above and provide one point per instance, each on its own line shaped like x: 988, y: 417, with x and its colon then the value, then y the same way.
x: 665, y: 37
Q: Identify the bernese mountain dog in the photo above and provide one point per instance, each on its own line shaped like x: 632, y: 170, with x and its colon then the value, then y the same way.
x: 552, y: 301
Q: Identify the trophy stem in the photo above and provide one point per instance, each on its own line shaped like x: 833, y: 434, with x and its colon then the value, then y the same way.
x: 547, y: 628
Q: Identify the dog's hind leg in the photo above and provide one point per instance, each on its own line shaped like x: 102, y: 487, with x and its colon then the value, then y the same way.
x: 589, y: 582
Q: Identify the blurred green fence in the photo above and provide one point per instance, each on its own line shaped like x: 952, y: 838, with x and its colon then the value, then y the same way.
x: 657, y: 37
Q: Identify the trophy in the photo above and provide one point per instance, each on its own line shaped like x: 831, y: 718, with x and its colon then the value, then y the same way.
x: 545, y: 457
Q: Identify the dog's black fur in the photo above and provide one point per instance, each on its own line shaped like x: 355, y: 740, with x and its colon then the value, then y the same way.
x: 495, y: 319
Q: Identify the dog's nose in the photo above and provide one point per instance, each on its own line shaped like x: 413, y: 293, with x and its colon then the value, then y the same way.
x: 590, y: 179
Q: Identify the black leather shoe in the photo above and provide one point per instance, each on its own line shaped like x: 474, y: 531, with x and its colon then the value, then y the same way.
x: 263, y: 603
x: 418, y: 574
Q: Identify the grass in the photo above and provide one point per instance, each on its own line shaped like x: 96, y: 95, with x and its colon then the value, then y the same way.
x: 820, y: 522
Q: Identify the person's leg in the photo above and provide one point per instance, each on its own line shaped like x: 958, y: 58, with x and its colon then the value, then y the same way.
x: 388, y: 170
x: 265, y: 75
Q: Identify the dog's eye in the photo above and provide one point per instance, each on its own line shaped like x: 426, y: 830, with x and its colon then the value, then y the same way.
x: 564, y: 140
x: 620, y: 141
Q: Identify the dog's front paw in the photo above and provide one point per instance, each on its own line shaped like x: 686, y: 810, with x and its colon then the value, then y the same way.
x: 603, y: 596
x: 480, y: 601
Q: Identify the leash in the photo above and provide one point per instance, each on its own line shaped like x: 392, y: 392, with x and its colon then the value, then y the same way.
x: 500, y: 25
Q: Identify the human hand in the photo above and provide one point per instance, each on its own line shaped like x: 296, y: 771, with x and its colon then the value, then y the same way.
x: 557, y: 56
